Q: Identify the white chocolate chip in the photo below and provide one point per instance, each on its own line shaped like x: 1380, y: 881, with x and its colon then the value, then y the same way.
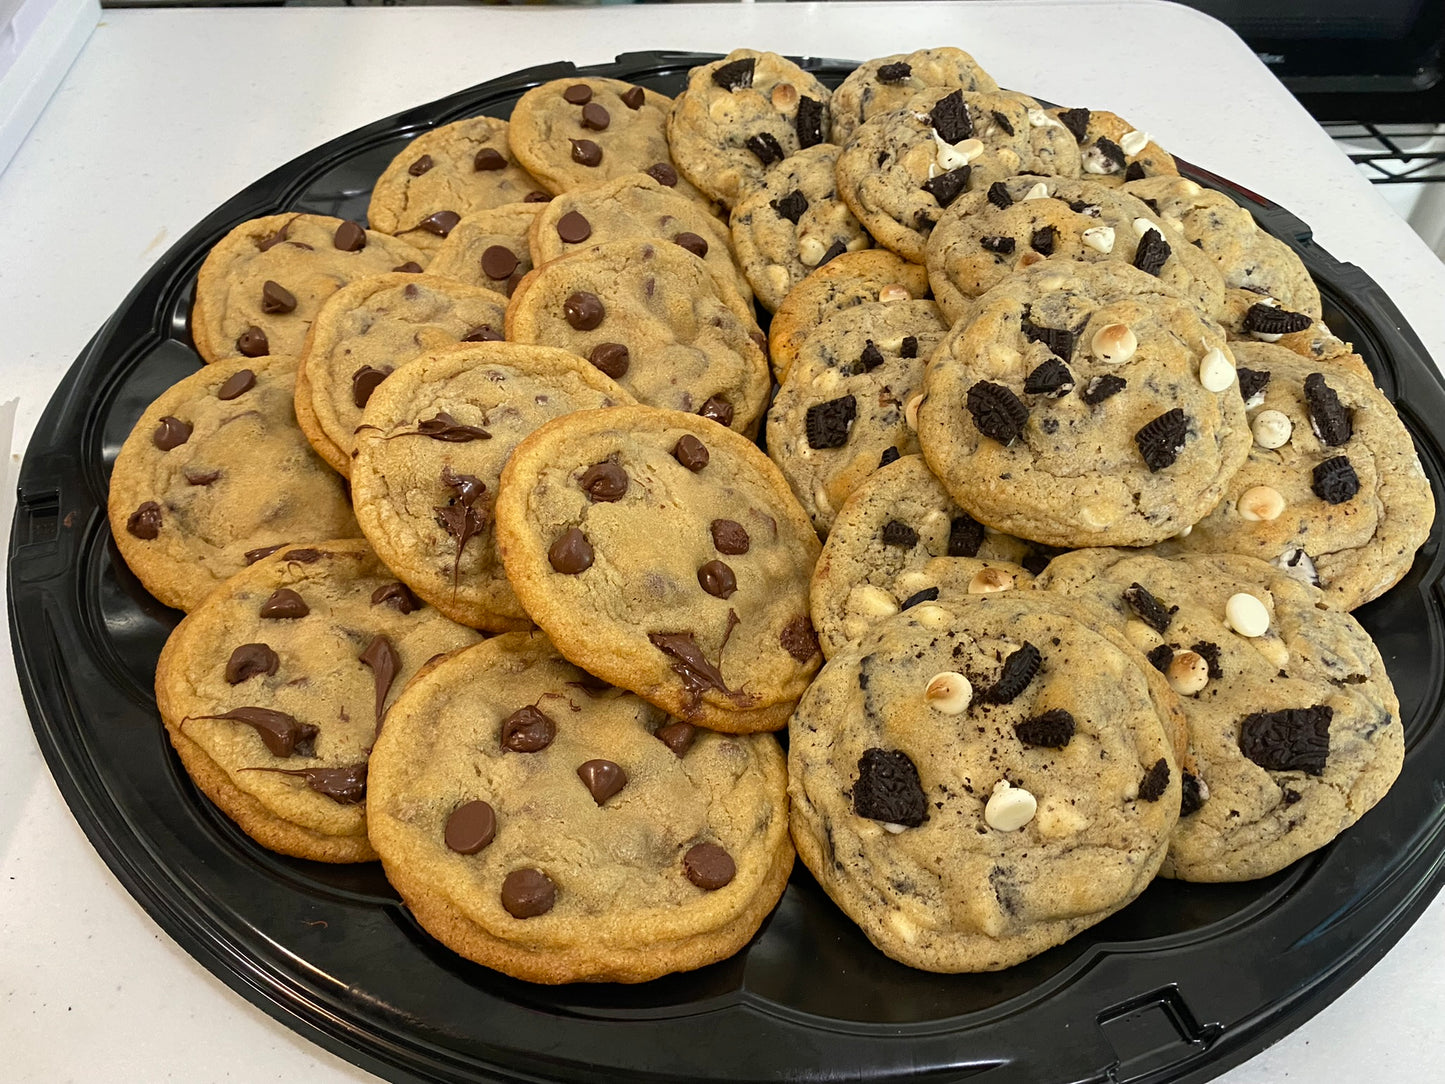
x: 785, y: 96
x: 1297, y: 563
x: 1009, y: 808
x: 912, y: 582
x: 894, y: 291
x: 1273, y: 649
x: 1038, y: 191
x: 903, y: 927
x: 952, y: 156
x: 931, y: 617
x: 827, y: 380
x: 821, y: 501
x: 1058, y: 819
x: 988, y: 581
x: 1114, y: 343
x: 810, y: 251
x: 1271, y: 429
x: 1246, y: 615
x: 1097, y: 516
x: 778, y: 278
x: 1189, y: 188
x: 1100, y: 239
x: 895, y: 829
x: 910, y: 411
x: 1133, y: 142
x: 871, y: 601
x: 949, y: 692
x: 1039, y: 119
x: 1215, y: 371
x: 1143, y: 226
x: 1189, y: 530
x: 1188, y: 673
x: 1260, y: 503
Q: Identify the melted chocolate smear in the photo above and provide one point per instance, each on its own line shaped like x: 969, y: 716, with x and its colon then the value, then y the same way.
x: 460, y: 516
x: 252, y: 556
x: 250, y: 660
x: 384, y: 663
x: 697, y: 674
x: 345, y: 785
x: 282, y: 733
x: 396, y: 594
x: 445, y: 427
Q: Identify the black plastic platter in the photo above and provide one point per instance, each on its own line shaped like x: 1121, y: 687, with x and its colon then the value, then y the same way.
x: 1184, y: 983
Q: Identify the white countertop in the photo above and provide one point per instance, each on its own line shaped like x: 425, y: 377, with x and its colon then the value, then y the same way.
x: 168, y: 113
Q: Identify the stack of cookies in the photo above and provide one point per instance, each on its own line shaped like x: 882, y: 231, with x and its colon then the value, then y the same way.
x: 1063, y: 476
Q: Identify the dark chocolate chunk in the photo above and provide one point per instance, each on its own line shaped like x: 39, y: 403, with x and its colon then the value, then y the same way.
x: 947, y: 187
x: 411, y: 267
x: 284, y: 604
x: 385, y: 664
x: 965, y: 536
x: 1076, y: 121
x: 595, y: 117
x: 252, y: 556
x: 998, y: 195
x: 798, y: 639
x: 1003, y: 122
x: 1209, y: 652
x: 611, y: 358
x: 1135, y: 172
x: 1051, y: 378
x: 1004, y: 246
x: 488, y: 159
x: 571, y: 553
x: 735, y: 75
x: 677, y: 736
x: 888, y: 789
x: 1059, y: 340
x: 171, y: 433
x: 1103, y: 387
x: 707, y: 865
x: 1331, y: 420
x: 346, y: 785
x: 997, y: 411
x: 282, y: 733
x: 145, y: 522
x: 663, y: 173
x: 602, y: 778
x: 1043, y: 240
x: 306, y: 556
x: 1150, y: 610
x: 583, y: 310
x: 890, y: 455
x: 1251, y: 382
x: 896, y: 533
x: 690, y: 452
x: 577, y: 94
x: 1051, y: 730
x: 349, y: 237
x: 498, y: 262
x: 688, y: 662
x: 585, y: 152
x: 527, y: 893
x: 692, y: 243
x: 365, y: 381
x: 471, y: 827
x: 200, y: 477
x: 717, y: 409
x: 908, y: 348
x: 836, y: 249
x: 249, y: 660
x: 252, y: 343
x: 928, y: 594
x: 950, y: 118
x: 634, y: 97
x: 826, y: 425
x: 398, y: 595
x: 894, y: 73
x: 605, y: 481
x: 1155, y: 781
x: 730, y: 537
x: 483, y: 333
x: 717, y: 579
x: 1191, y: 796
x: 765, y: 148
x: 1264, y: 319
x: 1153, y: 250
x: 420, y: 166
x: 790, y: 206
x: 528, y: 730
x: 1161, y: 440
x: 870, y: 358
x: 1334, y: 481
x: 441, y: 223
x: 1289, y: 740
x: 809, y: 122
x: 1160, y: 657
x: 534, y: 196
x: 1018, y: 670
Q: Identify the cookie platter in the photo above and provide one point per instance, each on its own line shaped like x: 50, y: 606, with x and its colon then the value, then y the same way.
x: 1185, y: 982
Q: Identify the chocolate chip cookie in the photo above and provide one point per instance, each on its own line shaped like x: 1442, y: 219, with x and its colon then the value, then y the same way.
x: 634, y: 206
x: 740, y: 116
x: 899, y: 541
x: 489, y: 249
x: 665, y: 554
x: 1294, y: 724
x: 430, y: 450
x: 274, y: 690
x: 1018, y: 222
x: 848, y: 280
x: 1111, y: 150
x: 371, y: 328
x: 890, y: 82
x: 904, y: 168
x: 845, y: 401
x: 545, y: 825
x: 1084, y: 404
x: 1332, y: 492
x: 446, y: 174
x: 792, y: 222
x: 981, y: 777
x: 657, y: 319
x: 264, y: 282
x: 215, y: 473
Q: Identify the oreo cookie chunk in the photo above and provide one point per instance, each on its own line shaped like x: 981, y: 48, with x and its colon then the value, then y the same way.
x: 1332, y: 492
x: 1111, y: 150
x: 215, y: 470
x: 274, y: 690
x: 1293, y: 723
x: 956, y: 831
x: 1141, y: 447
x: 888, y: 83
x: 683, y: 579
x: 846, y: 400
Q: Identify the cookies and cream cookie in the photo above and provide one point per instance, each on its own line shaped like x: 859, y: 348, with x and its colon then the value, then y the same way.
x: 890, y: 82
x: 1111, y: 150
